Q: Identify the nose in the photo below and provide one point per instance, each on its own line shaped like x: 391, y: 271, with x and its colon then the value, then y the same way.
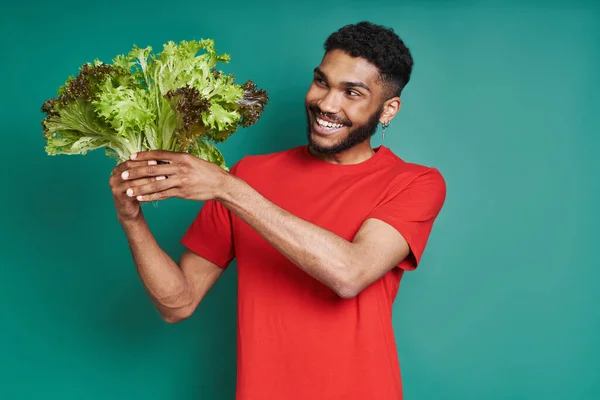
x: 330, y: 103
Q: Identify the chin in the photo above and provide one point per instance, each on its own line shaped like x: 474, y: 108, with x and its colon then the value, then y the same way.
x: 323, y: 146
x: 324, y: 143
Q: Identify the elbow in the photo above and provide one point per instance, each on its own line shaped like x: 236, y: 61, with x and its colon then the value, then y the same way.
x: 176, y: 316
x: 348, y: 287
x: 347, y: 292
x: 345, y: 282
x: 170, y: 319
x: 176, y: 311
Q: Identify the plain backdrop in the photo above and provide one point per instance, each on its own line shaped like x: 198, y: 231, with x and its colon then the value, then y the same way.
x: 503, y: 101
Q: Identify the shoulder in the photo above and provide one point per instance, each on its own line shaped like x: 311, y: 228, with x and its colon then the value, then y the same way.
x: 412, y: 170
x: 410, y: 175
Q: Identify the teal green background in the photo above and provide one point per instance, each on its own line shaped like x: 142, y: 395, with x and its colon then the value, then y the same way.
x: 503, y: 100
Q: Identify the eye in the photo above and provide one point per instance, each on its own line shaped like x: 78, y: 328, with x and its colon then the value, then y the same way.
x: 320, y: 81
x: 352, y: 93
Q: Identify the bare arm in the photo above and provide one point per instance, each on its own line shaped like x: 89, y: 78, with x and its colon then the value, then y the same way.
x: 175, y: 290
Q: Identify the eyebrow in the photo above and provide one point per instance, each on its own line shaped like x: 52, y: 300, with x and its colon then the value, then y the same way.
x: 345, y: 83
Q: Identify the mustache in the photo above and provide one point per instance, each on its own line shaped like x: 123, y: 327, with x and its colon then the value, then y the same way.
x: 315, y: 109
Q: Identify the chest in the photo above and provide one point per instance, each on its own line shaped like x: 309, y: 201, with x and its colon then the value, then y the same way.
x: 339, y: 204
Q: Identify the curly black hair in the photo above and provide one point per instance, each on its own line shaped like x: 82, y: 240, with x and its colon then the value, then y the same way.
x: 379, y: 45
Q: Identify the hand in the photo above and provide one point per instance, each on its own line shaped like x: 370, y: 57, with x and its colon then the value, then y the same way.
x: 128, y: 208
x: 189, y: 177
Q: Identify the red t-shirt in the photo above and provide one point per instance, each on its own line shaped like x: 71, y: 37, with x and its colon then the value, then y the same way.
x: 297, y: 340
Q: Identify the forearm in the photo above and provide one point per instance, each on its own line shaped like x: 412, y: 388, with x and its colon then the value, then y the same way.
x: 322, y: 254
x: 161, y: 276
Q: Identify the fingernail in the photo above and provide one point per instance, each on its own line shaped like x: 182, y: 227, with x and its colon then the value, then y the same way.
x: 129, y: 192
x: 134, y: 156
x: 160, y: 178
x: 139, y: 198
x: 125, y: 175
x: 151, y: 162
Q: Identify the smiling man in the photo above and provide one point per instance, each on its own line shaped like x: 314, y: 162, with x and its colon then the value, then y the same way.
x: 321, y: 233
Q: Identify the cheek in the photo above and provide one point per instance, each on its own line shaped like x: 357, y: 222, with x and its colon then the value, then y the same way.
x: 356, y: 113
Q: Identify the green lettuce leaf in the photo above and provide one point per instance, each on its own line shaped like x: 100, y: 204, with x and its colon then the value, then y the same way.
x: 175, y: 100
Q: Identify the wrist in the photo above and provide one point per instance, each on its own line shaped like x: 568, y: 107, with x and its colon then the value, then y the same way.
x: 131, y: 221
x: 228, y: 188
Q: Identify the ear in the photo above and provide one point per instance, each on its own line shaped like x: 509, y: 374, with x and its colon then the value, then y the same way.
x: 390, y: 109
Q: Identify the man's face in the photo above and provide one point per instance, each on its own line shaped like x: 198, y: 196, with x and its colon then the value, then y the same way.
x: 343, y: 103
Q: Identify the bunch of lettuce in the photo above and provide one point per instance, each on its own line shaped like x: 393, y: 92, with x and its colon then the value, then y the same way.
x: 177, y: 100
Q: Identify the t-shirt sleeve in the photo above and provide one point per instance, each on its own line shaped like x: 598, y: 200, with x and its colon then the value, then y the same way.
x: 211, y: 233
x: 412, y: 209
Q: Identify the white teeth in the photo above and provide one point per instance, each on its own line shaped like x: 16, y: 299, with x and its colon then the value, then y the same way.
x: 328, y: 125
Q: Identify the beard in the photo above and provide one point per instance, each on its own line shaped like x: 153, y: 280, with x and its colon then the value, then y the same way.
x: 353, y: 138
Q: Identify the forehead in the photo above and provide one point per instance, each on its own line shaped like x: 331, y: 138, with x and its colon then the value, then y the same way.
x: 341, y: 67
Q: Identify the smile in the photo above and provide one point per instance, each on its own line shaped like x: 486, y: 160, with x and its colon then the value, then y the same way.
x: 328, y: 125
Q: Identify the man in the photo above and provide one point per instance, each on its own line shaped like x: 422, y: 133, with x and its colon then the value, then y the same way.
x: 321, y: 233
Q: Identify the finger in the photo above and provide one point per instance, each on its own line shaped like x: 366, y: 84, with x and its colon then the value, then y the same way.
x: 116, y: 179
x: 165, y: 194
x: 151, y: 168
x: 148, y: 189
x: 140, y: 182
x: 163, y: 155
x: 127, y: 165
x: 120, y: 188
x: 127, y: 188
